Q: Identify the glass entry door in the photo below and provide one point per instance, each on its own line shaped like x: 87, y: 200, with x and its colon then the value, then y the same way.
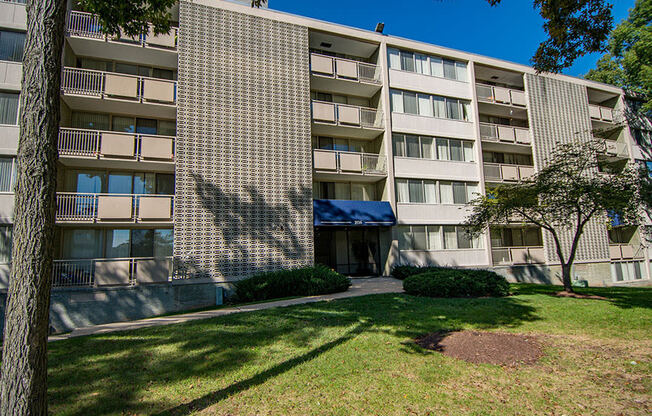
x: 350, y: 251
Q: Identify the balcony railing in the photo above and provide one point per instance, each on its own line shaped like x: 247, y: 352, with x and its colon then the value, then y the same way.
x: 613, y: 148
x: 98, y: 143
x: 625, y: 251
x: 88, y: 82
x: 99, y: 208
x: 598, y: 112
x: 344, y: 68
x: 87, y: 25
x: 346, y: 115
x: 511, y: 173
x: 517, y: 255
x: 111, y: 272
x: 507, y: 134
x: 349, y: 162
x: 491, y: 94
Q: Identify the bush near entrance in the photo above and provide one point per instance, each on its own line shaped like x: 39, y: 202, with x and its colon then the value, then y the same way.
x: 441, y: 282
x: 306, y: 281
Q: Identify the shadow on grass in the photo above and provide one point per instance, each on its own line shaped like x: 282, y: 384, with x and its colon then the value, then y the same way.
x: 150, y: 370
x: 623, y: 297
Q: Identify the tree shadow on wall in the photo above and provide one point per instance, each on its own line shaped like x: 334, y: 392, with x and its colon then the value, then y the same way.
x: 255, y: 233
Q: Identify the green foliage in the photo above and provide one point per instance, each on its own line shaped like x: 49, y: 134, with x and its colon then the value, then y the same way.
x: 628, y: 63
x: 574, y: 28
x: 401, y: 272
x: 441, y: 282
x: 307, y: 281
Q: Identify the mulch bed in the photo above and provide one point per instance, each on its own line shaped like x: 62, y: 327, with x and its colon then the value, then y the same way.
x: 484, y: 347
x: 564, y: 294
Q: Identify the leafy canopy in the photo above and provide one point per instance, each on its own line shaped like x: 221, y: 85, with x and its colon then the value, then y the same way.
x: 574, y: 28
x: 628, y: 63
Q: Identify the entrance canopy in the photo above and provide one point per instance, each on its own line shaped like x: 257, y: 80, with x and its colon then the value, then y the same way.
x: 338, y: 213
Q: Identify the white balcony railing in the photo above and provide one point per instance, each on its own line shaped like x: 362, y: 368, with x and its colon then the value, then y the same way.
x: 346, y: 115
x: 509, y: 173
x: 507, y: 134
x: 347, y: 69
x: 98, y: 143
x: 88, y: 82
x: 349, y: 162
x: 625, y: 251
x: 517, y: 255
x: 99, y: 208
x: 491, y: 94
x: 598, y: 112
x: 111, y: 272
x: 87, y: 25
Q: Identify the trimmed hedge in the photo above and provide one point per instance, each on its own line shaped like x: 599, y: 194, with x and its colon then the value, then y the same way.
x: 401, y: 272
x: 307, y: 281
x: 441, y: 282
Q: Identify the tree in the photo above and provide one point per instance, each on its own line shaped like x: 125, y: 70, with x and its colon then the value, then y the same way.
x: 23, y: 382
x: 563, y: 197
x: 574, y: 28
x: 628, y: 63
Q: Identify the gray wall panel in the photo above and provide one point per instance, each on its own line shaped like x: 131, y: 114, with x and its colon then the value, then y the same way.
x: 243, y: 157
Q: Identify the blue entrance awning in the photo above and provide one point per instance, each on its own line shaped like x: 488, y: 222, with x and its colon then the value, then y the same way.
x: 331, y: 212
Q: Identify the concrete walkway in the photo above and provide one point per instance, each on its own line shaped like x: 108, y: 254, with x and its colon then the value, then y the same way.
x: 360, y: 287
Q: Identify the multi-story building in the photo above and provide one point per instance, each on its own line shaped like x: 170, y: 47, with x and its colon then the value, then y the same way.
x: 248, y: 140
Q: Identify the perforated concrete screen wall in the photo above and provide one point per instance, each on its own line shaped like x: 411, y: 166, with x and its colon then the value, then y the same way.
x: 243, y: 160
x: 559, y: 113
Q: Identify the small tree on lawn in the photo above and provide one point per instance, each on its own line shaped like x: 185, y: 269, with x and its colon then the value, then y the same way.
x: 563, y: 197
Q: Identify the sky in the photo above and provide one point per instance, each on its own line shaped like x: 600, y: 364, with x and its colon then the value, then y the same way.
x: 510, y: 31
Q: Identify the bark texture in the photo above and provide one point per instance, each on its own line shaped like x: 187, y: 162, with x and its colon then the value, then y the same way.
x: 23, y: 384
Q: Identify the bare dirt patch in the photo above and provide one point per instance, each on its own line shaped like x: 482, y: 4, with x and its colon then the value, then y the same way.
x: 564, y: 294
x: 484, y: 347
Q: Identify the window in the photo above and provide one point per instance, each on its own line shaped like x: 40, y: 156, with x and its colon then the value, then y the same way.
x: 436, y: 237
x: 430, y: 105
x: 350, y: 191
x: 9, y: 108
x: 7, y: 174
x: 424, y: 191
x: 91, y: 121
x: 90, y: 181
x: 625, y: 271
x: 515, y: 237
x: 123, y: 124
x: 424, y: 147
x: 5, y: 243
x: 116, y: 243
x: 427, y: 65
x: 507, y: 158
x: 12, y: 45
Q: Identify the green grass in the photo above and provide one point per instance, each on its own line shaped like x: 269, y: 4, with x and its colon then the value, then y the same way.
x: 355, y: 356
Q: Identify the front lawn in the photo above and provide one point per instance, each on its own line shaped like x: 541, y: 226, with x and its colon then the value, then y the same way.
x: 356, y: 356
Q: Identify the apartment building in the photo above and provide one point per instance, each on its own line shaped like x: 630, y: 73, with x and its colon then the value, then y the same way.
x: 248, y: 140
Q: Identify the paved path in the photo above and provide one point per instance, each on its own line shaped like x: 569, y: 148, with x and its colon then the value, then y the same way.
x: 360, y: 287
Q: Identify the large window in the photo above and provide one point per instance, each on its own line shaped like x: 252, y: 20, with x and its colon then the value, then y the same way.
x: 426, y: 191
x: 424, y: 147
x: 627, y: 270
x: 98, y: 181
x: 507, y: 158
x: 436, y: 237
x: 5, y: 243
x: 427, y: 65
x: 8, y: 108
x: 350, y: 191
x: 430, y: 105
x: 344, y: 145
x: 96, y: 121
x: 515, y: 237
x: 7, y: 174
x: 116, y: 243
x: 12, y: 45
x: 123, y: 68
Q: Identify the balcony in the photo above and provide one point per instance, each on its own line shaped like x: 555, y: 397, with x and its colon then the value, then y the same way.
x: 505, y: 134
x: 113, y: 208
x: 88, y: 90
x: 625, y: 252
x: 346, y: 120
x: 344, y: 76
x: 105, y: 148
x: 497, y: 172
x: 517, y: 255
x: 616, y: 149
x: 331, y: 162
x: 600, y: 113
x: 500, y: 95
x: 111, y: 272
x: 84, y: 32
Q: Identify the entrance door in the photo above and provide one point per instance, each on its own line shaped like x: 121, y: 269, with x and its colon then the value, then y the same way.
x: 351, y: 251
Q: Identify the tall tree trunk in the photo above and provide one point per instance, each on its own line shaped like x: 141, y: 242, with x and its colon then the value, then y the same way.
x: 566, y: 276
x: 23, y: 381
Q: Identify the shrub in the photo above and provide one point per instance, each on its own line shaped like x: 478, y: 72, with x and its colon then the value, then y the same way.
x: 444, y: 282
x: 401, y: 272
x: 306, y: 281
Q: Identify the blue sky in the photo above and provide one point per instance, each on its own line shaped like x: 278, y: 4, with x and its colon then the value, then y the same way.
x: 510, y: 31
